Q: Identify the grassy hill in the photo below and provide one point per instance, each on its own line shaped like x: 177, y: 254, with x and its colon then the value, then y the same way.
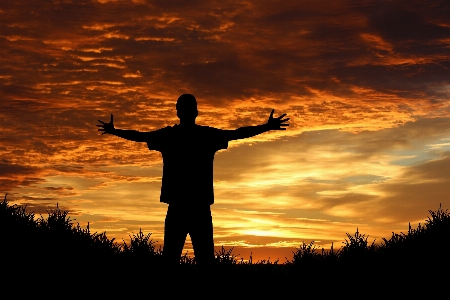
x: 55, y: 249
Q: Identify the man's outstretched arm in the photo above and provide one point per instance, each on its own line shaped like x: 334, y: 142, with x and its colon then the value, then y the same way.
x: 249, y: 131
x: 132, y: 135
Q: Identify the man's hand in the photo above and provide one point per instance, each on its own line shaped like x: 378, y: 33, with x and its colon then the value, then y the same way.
x: 106, y: 127
x: 276, y: 123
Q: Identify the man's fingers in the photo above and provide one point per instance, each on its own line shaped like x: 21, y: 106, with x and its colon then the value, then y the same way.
x: 285, y: 120
x: 280, y: 117
x: 102, y: 122
x: 271, y: 114
x: 111, y: 118
x: 100, y: 129
x: 284, y: 124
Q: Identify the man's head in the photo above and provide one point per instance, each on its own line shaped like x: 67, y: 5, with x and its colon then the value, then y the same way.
x: 187, y: 107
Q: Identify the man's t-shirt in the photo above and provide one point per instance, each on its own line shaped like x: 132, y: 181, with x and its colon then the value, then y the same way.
x: 188, y: 156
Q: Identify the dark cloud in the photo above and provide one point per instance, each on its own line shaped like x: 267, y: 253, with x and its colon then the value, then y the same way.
x: 403, y: 80
x: 403, y: 21
x: 10, y: 169
x: 420, y: 189
x: 41, y: 207
x: 16, y: 174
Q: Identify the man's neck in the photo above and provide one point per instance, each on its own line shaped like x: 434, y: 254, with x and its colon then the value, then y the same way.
x: 189, y: 123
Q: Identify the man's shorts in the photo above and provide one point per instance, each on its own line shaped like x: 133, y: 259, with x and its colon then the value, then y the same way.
x: 197, y: 221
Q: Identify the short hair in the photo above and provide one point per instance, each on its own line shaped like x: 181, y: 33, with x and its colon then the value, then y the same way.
x: 186, y: 102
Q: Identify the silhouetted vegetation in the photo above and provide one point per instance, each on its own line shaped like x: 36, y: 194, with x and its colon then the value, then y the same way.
x: 55, y: 245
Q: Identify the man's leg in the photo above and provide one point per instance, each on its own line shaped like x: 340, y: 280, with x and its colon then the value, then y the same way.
x: 174, y: 237
x: 201, y: 232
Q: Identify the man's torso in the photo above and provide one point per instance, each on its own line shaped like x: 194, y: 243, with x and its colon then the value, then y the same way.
x: 188, y: 157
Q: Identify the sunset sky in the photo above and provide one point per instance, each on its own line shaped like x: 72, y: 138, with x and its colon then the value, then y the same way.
x: 365, y: 83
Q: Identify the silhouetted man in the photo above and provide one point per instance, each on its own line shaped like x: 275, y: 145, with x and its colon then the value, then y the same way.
x: 187, y: 184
